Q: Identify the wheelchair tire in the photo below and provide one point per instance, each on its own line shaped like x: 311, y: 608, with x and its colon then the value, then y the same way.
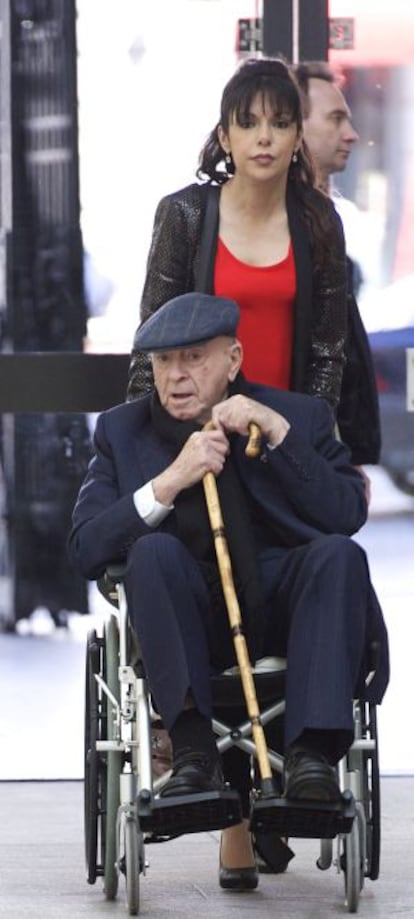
x: 113, y: 762
x: 132, y: 864
x: 372, y: 797
x: 352, y: 866
x: 92, y: 763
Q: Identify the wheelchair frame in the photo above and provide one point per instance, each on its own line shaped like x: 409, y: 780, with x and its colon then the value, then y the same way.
x: 119, y: 785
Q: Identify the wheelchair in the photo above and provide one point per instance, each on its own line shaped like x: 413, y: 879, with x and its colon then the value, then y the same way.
x: 122, y: 809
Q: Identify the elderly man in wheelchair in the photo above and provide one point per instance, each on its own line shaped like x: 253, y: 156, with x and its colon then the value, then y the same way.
x: 303, y: 584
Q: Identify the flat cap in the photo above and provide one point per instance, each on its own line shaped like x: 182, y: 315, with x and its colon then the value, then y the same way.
x: 185, y: 320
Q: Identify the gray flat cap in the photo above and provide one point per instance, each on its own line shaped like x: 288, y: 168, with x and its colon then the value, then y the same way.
x: 188, y: 319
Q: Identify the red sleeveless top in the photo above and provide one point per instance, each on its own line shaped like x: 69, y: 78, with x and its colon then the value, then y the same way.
x: 265, y: 297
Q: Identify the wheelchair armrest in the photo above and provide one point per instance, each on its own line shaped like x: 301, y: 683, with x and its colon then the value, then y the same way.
x: 115, y: 572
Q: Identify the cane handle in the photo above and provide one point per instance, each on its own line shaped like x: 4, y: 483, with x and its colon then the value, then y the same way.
x: 254, y: 442
x: 255, y: 437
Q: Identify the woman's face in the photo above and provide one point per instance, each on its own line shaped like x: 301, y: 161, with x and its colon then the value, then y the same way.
x: 263, y: 144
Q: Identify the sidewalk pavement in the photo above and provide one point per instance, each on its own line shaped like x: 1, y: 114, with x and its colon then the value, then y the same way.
x: 43, y: 875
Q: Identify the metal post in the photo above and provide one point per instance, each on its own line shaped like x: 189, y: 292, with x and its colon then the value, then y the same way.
x: 296, y: 29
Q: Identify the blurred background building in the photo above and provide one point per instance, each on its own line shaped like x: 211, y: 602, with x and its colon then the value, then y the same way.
x: 42, y: 303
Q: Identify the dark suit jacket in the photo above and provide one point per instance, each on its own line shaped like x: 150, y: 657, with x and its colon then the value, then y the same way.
x: 306, y: 486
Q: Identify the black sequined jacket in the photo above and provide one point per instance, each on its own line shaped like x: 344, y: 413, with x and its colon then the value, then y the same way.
x: 321, y: 308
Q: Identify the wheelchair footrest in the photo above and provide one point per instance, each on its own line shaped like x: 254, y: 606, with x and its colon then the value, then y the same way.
x: 196, y: 813
x: 303, y: 819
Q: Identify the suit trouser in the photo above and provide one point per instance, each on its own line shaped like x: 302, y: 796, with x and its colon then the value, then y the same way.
x: 316, y: 602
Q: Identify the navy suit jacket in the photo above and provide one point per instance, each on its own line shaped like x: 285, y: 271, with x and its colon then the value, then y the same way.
x: 306, y: 486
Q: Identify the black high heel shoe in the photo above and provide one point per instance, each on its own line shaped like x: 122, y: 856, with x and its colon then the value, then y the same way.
x: 238, y: 879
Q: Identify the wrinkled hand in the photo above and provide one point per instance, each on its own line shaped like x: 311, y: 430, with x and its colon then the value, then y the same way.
x: 236, y: 413
x: 204, y: 451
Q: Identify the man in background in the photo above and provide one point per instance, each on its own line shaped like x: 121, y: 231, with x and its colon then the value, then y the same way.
x: 328, y: 128
x: 330, y: 137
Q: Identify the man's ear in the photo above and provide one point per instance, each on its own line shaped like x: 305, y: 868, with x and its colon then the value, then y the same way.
x: 236, y: 359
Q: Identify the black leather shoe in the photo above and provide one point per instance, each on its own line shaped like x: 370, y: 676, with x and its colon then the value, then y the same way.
x: 193, y: 773
x: 309, y: 777
x: 238, y: 879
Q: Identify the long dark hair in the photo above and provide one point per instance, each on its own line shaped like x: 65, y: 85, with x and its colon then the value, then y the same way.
x: 274, y: 80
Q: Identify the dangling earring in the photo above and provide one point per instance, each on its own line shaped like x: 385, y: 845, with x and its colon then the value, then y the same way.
x: 228, y: 159
x: 294, y: 157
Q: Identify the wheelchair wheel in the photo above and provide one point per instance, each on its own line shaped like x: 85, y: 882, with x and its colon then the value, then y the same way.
x: 352, y: 868
x: 352, y: 861
x: 132, y: 864
x: 113, y: 762
x: 93, y: 771
x: 372, y: 799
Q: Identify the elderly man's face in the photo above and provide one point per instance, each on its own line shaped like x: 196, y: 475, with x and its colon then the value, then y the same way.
x: 189, y: 381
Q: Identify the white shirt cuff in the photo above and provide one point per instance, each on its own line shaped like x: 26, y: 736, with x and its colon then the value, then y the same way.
x: 151, y: 511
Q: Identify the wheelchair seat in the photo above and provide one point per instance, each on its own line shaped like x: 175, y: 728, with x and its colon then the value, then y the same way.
x: 269, y: 677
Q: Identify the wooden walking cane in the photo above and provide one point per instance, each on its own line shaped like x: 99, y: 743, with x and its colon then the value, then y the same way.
x: 233, y: 609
